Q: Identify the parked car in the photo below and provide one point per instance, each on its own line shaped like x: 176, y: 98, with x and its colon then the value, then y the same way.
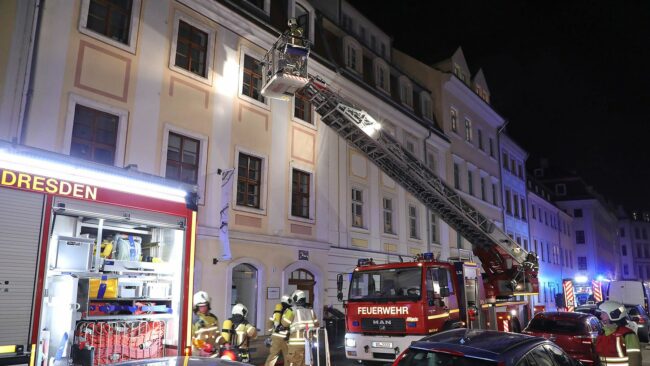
x: 575, y: 333
x: 638, y: 314
x: 589, y: 309
x: 631, y: 322
x: 469, y: 347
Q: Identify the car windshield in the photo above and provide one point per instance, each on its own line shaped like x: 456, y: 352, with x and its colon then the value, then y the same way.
x: 416, y: 357
x: 546, y: 325
x: 389, y: 284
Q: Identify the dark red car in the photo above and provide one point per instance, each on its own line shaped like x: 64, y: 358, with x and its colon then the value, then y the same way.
x: 575, y: 333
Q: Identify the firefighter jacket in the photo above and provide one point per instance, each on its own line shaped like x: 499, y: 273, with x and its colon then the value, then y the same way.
x: 205, y: 329
x: 237, y: 331
x: 278, y: 330
x: 618, y: 345
x: 302, y: 324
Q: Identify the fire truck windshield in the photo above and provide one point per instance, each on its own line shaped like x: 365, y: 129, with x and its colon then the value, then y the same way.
x: 386, y: 284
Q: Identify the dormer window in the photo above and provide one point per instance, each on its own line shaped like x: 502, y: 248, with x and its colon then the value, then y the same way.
x: 382, y: 75
x: 458, y: 71
x: 353, y: 54
x: 425, y: 103
x: 406, y: 91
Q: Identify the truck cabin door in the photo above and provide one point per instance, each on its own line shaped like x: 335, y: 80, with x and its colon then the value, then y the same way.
x: 437, y: 302
x: 470, y: 306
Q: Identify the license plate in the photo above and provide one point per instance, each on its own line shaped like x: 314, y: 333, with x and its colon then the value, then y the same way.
x: 382, y: 344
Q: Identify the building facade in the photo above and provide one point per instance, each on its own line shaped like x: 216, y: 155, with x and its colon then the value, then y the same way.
x: 513, y: 182
x: 634, y: 244
x: 174, y: 90
x: 552, y: 239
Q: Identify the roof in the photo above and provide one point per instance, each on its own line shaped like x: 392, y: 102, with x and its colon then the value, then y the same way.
x: 486, y: 344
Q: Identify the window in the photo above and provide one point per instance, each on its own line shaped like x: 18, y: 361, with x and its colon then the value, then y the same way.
x: 504, y: 160
x: 483, y: 194
x: 520, y: 171
x: 468, y: 130
x: 110, y: 18
x: 582, y: 263
x: 410, y: 146
x: 539, y: 211
x: 515, y: 204
x: 413, y: 222
x: 373, y: 42
x: 300, y: 190
x: 523, y: 208
x: 625, y: 269
x: 639, y: 251
x: 362, y: 33
x: 454, y: 120
x: 191, y: 49
x: 357, y: 207
x: 433, y: 228
x: 532, y: 211
x: 550, y: 257
x: 507, y: 203
x: 513, y: 166
x: 457, y: 71
x: 526, y: 244
x: 245, y: 282
x: 470, y: 182
x: 495, y: 196
x: 431, y: 162
x: 491, y: 147
x: 541, y: 250
x: 388, y: 216
x: 114, y: 22
x: 456, y: 176
x: 406, y: 91
x: 624, y: 250
x: 383, y: 50
x: 302, y: 108
x: 382, y: 75
x: 560, y: 189
x: 644, y: 234
x: 249, y: 180
x: 182, y: 158
x: 302, y: 17
x: 425, y: 102
x: 546, y: 218
x: 94, y: 135
x: 637, y: 234
x: 252, y: 79
x: 479, y: 133
x: 353, y: 54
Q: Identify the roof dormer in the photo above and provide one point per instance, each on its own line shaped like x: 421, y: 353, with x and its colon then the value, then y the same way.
x: 479, y: 85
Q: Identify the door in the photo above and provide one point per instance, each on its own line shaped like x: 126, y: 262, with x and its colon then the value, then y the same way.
x: 21, y: 216
x: 301, y: 279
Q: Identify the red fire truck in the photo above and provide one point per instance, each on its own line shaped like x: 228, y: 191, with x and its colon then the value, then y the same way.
x: 96, y: 264
x: 393, y: 304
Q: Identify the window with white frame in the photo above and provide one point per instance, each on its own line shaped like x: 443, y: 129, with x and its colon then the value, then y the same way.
x: 479, y: 134
x: 431, y: 161
x: 468, y: 130
x: 458, y: 71
x: 302, y: 17
x: 433, y: 227
x: 411, y: 144
x: 456, y: 176
x: 483, y: 191
x: 302, y: 108
x: 470, y: 182
x: 406, y: 91
x: 184, y: 156
x: 301, y: 194
x: 353, y: 54
x: 113, y: 22
x: 495, y: 194
x: 388, y: 216
x: 251, y: 86
x: 560, y: 189
x: 491, y: 147
x: 357, y: 207
x: 425, y: 102
x: 192, y: 48
x: 373, y: 42
x: 249, y: 180
x: 382, y: 75
x: 413, y: 222
x: 454, y: 119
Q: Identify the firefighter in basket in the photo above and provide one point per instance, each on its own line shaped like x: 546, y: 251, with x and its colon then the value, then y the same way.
x: 236, y: 334
x: 279, y: 333
x: 205, y: 325
x: 303, y: 326
x: 293, y: 59
x: 617, y: 344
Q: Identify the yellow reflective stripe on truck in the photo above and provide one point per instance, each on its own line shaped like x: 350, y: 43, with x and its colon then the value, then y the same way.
x: 8, y: 349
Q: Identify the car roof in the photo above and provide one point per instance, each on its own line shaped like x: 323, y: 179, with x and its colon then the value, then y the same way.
x: 484, y: 344
x: 564, y: 315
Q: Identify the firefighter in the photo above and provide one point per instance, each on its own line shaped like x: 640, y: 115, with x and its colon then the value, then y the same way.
x: 238, y: 332
x: 617, y: 344
x: 302, y: 324
x: 205, y: 325
x: 279, y: 333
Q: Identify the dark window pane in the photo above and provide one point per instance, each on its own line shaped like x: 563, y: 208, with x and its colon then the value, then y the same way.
x: 191, y: 49
x: 94, y: 135
x: 111, y: 18
x: 252, y: 78
x: 248, y: 181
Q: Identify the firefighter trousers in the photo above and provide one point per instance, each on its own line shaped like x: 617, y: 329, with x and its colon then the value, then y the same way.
x: 296, y: 355
x: 278, y: 345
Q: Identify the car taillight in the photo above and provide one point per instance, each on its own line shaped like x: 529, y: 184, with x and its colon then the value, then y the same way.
x: 586, y: 339
x: 641, y: 320
x: 228, y: 355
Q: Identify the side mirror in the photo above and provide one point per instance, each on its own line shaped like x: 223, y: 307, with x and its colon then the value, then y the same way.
x: 339, y: 287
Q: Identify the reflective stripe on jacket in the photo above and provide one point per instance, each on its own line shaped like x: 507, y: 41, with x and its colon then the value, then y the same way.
x: 303, y: 325
x: 611, y: 347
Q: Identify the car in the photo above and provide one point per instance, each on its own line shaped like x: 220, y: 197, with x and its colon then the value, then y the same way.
x: 181, y: 361
x: 465, y: 347
x: 638, y: 314
x: 589, y: 309
x: 575, y: 333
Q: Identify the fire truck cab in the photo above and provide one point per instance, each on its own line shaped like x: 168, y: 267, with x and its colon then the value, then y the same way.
x: 391, y: 305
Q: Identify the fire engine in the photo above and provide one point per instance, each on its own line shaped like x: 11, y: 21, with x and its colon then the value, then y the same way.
x: 391, y: 305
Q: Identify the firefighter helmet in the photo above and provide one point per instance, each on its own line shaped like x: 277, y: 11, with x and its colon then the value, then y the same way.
x: 299, y: 297
x: 286, y: 299
x: 239, y: 309
x: 614, y: 310
x: 292, y: 22
x: 201, y: 298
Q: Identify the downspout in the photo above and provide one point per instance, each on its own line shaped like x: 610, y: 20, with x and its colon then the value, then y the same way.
x: 499, y: 130
x: 28, y: 89
x: 428, y: 209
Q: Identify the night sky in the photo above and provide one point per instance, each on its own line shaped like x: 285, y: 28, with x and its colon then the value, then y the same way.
x: 571, y: 77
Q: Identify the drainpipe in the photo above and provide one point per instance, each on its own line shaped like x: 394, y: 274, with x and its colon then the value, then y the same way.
x: 499, y: 130
x: 28, y: 88
x: 428, y: 210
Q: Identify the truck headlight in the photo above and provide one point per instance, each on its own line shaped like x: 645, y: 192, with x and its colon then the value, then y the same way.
x: 350, y: 342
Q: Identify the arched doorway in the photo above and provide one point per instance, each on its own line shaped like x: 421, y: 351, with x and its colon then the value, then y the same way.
x: 244, y: 289
x: 302, y: 279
